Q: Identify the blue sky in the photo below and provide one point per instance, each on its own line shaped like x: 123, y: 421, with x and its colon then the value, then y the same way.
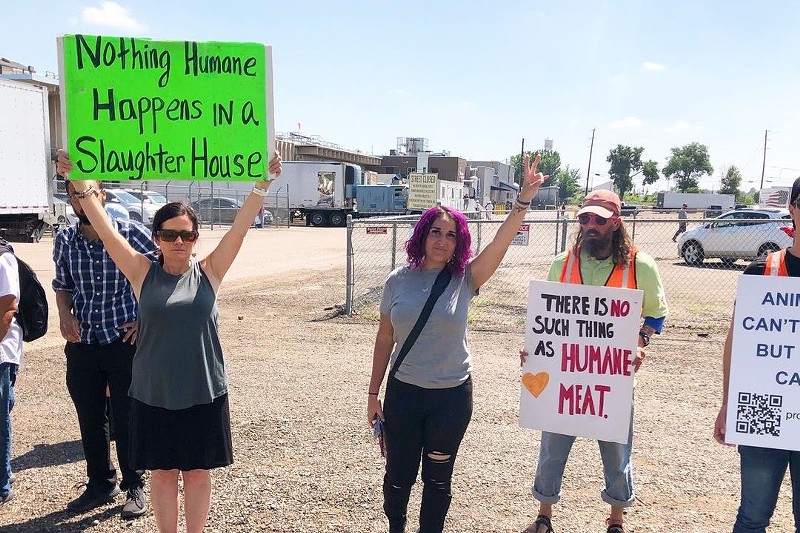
x: 476, y: 77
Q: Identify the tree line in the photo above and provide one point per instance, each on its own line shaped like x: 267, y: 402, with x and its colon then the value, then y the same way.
x: 686, y: 166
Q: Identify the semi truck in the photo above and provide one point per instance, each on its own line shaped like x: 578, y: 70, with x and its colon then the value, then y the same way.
x: 774, y: 196
x: 669, y: 201
x: 322, y: 193
x: 25, y: 161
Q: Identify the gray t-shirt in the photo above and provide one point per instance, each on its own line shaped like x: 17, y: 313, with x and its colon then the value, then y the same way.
x: 178, y: 361
x: 440, y: 358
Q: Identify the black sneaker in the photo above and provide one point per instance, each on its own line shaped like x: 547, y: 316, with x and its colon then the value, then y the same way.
x: 135, y: 503
x: 7, y: 498
x: 92, y: 498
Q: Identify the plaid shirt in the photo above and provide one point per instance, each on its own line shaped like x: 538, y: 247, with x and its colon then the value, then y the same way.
x: 102, y: 299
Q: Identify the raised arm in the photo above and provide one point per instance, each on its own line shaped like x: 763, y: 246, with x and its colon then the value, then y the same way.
x: 489, y: 259
x: 131, y: 263
x: 217, y: 263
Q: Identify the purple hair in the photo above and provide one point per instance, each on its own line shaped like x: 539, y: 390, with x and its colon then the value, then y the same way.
x: 415, y: 246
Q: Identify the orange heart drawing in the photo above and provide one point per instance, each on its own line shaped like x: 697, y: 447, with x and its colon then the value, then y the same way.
x: 535, y: 383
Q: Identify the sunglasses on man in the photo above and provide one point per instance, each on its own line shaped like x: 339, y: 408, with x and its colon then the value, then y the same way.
x: 586, y: 218
x: 171, y: 235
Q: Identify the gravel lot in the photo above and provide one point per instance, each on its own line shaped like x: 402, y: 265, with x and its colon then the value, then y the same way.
x: 303, y: 458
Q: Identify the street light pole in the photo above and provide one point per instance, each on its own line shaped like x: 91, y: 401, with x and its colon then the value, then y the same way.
x: 589, y: 166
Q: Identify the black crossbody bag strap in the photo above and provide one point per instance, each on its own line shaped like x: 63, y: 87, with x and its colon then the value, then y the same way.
x: 441, y: 283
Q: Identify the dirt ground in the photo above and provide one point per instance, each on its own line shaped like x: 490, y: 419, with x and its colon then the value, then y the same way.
x: 304, y: 460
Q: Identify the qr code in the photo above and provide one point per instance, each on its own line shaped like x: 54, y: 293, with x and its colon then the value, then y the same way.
x: 759, y: 414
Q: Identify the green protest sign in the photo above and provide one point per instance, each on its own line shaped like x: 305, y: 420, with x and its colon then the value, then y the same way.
x: 138, y: 109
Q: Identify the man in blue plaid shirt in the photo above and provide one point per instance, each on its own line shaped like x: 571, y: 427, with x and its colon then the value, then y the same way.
x: 97, y: 315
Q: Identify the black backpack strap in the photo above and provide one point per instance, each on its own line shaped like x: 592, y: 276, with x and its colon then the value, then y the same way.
x: 441, y: 283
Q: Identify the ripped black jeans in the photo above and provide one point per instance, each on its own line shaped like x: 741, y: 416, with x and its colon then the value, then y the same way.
x: 428, y: 425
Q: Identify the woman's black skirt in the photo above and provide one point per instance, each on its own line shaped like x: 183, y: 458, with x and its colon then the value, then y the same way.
x: 187, y: 439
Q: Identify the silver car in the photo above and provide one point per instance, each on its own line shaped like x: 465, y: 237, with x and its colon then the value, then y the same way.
x: 741, y: 234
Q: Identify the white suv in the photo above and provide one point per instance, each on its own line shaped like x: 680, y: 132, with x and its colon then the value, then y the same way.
x: 740, y: 234
x: 139, y: 210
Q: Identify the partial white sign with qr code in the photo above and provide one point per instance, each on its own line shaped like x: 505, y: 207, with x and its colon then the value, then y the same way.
x: 764, y: 388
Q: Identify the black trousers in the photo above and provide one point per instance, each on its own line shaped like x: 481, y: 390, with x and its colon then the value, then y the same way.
x: 422, y: 425
x: 90, y: 367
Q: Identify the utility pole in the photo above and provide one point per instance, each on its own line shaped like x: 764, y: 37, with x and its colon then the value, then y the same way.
x: 522, y: 164
x: 589, y: 166
x: 764, y: 161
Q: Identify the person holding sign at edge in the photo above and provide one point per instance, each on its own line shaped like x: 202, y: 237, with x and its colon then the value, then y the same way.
x: 763, y: 469
x: 428, y: 400
x: 603, y: 254
x: 180, y: 422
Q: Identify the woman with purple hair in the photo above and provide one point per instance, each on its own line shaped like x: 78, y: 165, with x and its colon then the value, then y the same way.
x: 428, y: 400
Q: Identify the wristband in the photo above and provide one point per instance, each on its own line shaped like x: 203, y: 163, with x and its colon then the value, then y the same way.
x: 372, y: 393
x: 259, y: 191
x: 83, y: 194
x: 520, y: 202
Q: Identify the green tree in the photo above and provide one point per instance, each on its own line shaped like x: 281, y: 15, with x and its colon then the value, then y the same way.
x: 687, y: 165
x: 626, y: 163
x: 568, y: 180
x: 731, y: 181
x: 549, y: 165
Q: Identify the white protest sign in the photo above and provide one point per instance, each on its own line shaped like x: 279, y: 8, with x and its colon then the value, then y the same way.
x: 581, y: 342
x: 764, y: 386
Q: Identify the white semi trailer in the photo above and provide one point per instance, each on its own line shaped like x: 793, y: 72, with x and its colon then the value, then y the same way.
x: 25, y: 161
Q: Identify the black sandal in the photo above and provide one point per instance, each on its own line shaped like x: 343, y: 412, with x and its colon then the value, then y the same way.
x: 615, y: 528
x: 541, y: 520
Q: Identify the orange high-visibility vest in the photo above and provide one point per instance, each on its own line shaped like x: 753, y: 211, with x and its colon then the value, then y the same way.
x: 776, y: 264
x: 620, y: 277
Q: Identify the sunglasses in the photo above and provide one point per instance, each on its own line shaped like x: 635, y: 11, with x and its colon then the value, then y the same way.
x: 171, y: 235
x: 589, y: 217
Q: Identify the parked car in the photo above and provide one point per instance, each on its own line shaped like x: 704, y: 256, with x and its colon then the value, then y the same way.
x: 740, y: 234
x: 152, y: 197
x: 116, y: 211
x: 712, y: 211
x: 139, y: 211
x: 221, y: 210
x: 627, y: 210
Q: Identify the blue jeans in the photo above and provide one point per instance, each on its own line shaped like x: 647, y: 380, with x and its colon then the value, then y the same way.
x: 762, y: 474
x: 8, y: 377
x: 553, y: 454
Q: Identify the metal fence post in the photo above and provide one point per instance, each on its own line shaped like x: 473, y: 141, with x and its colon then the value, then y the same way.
x: 563, y: 235
x: 480, y: 225
x: 348, y: 303
x: 633, y: 228
x: 394, y: 246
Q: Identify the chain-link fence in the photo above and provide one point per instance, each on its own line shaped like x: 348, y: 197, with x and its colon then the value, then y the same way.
x: 699, y: 270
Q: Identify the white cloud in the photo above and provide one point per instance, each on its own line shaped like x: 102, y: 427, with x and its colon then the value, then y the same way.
x: 111, y: 14
x: 652, y: 66
x: 399, y: 92
x: 626, y: 123
x: 680, y: 125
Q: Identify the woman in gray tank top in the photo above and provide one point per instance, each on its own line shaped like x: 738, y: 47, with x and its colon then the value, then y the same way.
x: 428, y: 400
x: 180, y: 423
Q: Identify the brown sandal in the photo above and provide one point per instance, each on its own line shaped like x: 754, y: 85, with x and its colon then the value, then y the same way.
x: 541, y: 520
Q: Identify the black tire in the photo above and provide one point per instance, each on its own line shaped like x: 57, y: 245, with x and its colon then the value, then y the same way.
x: 766, y: 249
x: 318, y: 219
x: 693, y: 253
x: 338, y: 219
